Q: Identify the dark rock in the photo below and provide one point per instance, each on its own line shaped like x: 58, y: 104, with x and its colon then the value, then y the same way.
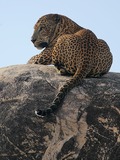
x: 86, y: 127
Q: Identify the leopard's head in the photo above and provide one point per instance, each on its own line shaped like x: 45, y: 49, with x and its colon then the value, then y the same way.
x: 44, y: 30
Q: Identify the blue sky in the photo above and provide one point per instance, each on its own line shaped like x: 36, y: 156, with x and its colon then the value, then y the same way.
x: 17, y: 18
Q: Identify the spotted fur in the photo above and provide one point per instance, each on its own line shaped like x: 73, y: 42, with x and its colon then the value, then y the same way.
x: 72, y: 49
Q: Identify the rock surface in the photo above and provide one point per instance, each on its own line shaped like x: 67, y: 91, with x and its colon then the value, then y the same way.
x: 86, y: 127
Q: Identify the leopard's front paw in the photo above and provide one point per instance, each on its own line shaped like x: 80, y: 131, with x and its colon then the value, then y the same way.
x: 43, y: 113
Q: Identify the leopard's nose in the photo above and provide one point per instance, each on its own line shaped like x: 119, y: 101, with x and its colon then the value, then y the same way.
x: 33, y: 40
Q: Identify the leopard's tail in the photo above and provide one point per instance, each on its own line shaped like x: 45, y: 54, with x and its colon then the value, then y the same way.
x: 77, y: 79
x: 73, y: 82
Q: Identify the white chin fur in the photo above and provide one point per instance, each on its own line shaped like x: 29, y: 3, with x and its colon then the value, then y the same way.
x: 40, y: 48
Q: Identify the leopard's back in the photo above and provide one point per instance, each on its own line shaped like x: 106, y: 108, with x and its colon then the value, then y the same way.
x: 71, y: 50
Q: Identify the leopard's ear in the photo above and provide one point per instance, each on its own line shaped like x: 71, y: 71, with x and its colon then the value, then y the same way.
x: 57, y: 18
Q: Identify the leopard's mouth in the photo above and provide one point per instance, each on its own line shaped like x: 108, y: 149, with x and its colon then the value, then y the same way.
x: 43, y: 44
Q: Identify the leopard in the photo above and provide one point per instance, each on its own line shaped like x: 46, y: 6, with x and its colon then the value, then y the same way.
x: 74, y: 50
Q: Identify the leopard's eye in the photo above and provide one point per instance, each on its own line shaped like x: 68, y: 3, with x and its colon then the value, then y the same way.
x: 40, y: 29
